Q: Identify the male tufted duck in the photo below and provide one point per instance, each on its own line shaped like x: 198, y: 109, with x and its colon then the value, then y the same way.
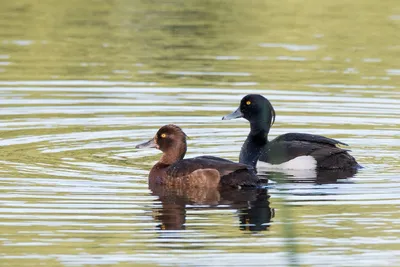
x: 288, y: 151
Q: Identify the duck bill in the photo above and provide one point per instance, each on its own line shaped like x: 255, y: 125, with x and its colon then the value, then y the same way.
x: 149, y: 144
x: 234, y: 115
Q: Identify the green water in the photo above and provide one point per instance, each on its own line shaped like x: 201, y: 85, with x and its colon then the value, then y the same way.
x: 83, y: 82
x: 147, y: 41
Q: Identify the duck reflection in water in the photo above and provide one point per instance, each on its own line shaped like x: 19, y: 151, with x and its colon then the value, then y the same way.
x: 252, y: 205
x: 204, y: 180
x: 318, y: 177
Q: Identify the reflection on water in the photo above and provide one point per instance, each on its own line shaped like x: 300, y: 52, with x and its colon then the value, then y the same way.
x: 74, y: 190
x: 251, y: 205
x: 319, y: 176
x: 82, y: 82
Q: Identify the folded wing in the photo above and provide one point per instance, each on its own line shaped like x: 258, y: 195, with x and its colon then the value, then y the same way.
x: 324, y: 150
x: 312, y: 138
x: 188, y: 166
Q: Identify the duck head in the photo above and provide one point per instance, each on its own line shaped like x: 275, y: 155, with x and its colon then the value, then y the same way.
x: 171, y: 140
x: 256, y: 109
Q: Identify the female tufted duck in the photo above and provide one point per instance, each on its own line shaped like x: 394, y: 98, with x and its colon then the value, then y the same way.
x: 288, y: 151
x: 204, y: 171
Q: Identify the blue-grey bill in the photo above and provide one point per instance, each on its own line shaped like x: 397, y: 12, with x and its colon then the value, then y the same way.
x: 234, y: 115
x: 148, y: 144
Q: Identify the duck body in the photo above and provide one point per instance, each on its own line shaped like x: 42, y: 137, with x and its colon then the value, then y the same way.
x: 304, y: 151
x: 203, y: 171
x: 299, y: 151
x: 172, y: 170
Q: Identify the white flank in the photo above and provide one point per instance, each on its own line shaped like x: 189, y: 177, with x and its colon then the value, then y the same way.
x: 303, y: 166
x: 299, y: 163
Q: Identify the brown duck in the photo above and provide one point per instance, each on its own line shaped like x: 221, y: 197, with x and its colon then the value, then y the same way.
x: 204, y: 171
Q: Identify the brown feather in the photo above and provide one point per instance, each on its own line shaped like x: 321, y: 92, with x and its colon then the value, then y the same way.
x: 204, y: 171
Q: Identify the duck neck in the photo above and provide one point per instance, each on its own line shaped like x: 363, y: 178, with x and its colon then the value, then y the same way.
x: 258, y: 128
x: 255, y: 142
x: 174, y: 154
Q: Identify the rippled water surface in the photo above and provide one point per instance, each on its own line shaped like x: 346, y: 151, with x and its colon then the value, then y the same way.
x: 83, y: 82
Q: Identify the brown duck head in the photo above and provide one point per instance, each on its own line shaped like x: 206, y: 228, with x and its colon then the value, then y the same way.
x: 171, y: 140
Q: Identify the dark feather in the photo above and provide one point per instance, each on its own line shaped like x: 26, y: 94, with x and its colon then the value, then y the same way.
x: 240, y: 178
x: 187, y: 166
x: 326, y: 154
x: 312, y: 138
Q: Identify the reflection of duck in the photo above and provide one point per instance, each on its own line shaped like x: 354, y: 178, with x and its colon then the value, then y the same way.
x: 287, y: 151
x: 319, y: 176
x: 205, y: 171
x: 252, y: 205
x: 257, y: 216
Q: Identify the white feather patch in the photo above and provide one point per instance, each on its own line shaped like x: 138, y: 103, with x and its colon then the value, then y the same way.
x: 299, y: 163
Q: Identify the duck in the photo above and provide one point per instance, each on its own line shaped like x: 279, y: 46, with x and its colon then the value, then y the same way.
x: 173, y: 170
x: 290, y: 151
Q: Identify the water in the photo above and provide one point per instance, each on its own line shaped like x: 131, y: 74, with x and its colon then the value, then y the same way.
x: 83, y: 82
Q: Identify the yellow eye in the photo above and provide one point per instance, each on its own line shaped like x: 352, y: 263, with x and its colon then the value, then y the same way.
x: 248, y: 102
x: 163, y: 135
